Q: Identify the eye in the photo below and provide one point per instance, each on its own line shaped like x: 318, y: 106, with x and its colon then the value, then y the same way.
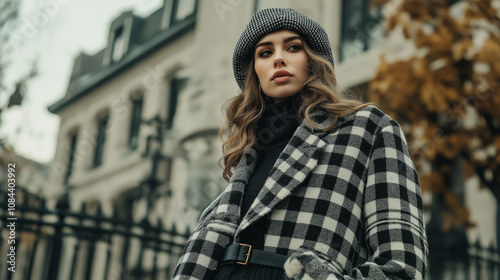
x: 295, y: 48
x: 265, y: 53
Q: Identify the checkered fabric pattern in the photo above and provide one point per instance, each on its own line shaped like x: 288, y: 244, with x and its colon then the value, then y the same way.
x: 273, y: 19
x: 343, y: 204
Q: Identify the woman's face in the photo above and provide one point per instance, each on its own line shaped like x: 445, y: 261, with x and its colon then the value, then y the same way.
x: 281, y: 64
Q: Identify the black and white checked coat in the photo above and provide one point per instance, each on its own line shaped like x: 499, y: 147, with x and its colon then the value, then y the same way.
x: 343, y: 204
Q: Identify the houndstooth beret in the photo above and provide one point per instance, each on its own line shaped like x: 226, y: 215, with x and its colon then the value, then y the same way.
x: 273, y: 19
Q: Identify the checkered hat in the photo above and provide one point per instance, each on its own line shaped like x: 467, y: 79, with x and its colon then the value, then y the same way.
x: 273, y: 19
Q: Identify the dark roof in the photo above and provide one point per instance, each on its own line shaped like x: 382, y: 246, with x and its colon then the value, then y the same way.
x: 146, y: 36
x: 150, y: 26
x: 85, y: 63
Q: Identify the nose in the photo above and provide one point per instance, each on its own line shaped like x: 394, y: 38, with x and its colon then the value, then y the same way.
x: 279, y: 60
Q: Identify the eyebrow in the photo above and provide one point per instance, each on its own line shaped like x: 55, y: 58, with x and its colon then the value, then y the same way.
x: 284, y: 41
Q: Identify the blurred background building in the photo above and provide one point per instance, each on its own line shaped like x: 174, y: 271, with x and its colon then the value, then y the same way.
x: 138, y: 145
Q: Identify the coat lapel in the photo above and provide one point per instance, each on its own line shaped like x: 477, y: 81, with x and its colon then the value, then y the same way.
x: 299, y: 157
x: 229, y: 206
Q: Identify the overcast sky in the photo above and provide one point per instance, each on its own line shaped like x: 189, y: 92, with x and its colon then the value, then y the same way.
x: 54, y: 32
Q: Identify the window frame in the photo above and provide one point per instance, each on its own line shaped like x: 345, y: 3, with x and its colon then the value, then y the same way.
x: 175, y: 8
x: 119, y: 33
x: 135, y: 120
x: 366, y: 18
x: 100, y: 140
x: 73, y: 139
x: 176, y: 85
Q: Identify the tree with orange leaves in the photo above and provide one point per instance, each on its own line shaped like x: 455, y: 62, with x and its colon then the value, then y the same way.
x: 443, y: 85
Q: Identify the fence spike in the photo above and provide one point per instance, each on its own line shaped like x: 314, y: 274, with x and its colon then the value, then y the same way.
x: 25, y: 196
x: 99, y: 210
x: 159, y: 224
x: 83, y: 208
x: 115, y: 211
x: 42, y: 208
x: 174, y: 229
x: 62, y: 202
x: 477, y: 244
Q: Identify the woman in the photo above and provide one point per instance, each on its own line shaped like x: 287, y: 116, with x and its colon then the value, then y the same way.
x: 320, y: 187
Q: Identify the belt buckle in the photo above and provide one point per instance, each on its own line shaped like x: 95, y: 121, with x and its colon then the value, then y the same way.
x: 247, y: 254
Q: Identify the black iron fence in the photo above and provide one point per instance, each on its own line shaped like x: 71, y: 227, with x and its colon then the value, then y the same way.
x: 477, y: 263
x: 57, y: 244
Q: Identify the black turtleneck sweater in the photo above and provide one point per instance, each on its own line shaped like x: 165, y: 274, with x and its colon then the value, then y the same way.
x: 275, y: 128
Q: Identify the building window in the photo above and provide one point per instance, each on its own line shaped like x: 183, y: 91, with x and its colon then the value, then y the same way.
x: 176, y: 86
x: 118, y: 49
x: 135, y: 122
x: 361, y: 29
x: 183, y: 9
x: 102, y: 125
x: 71, y: 158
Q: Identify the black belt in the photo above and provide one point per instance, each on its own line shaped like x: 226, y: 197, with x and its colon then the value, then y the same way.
x: 244, y: 254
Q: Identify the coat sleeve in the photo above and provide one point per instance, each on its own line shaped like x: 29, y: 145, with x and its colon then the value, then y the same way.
x: 394, y: 223
x: 393, y: 219
x: 205, y: 247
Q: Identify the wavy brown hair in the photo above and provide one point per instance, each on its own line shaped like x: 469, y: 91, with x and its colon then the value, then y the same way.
x: 319, y: 92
